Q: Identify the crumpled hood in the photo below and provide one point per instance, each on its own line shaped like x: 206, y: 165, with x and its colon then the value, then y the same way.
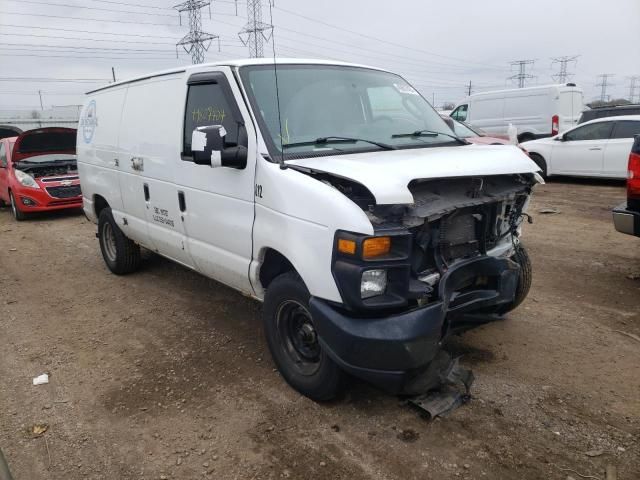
x: 387, y: 174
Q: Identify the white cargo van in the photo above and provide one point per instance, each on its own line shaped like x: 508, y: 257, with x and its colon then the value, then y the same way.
x: 344, y: 203
x: 536, y: 112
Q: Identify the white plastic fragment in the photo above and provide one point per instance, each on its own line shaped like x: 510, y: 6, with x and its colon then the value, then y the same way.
x: 41, y: 379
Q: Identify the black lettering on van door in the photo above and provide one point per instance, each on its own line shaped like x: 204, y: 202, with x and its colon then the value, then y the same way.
x: 258, y: 191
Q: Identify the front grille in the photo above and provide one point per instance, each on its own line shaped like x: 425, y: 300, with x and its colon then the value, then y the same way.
x: 64, y: 192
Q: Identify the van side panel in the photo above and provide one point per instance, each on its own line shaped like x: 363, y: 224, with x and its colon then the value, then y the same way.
x: 97, y: 148
x: 150, y: 134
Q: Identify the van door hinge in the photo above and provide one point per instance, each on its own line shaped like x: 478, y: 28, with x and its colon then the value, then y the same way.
x: 116, y: 162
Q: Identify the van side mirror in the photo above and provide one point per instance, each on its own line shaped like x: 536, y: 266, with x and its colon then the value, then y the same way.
x: 208, y: 147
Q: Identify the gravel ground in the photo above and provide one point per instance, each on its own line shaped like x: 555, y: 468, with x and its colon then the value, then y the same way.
x: 164, y: 374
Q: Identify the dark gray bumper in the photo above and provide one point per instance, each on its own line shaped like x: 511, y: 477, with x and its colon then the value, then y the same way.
x: 626, y: 221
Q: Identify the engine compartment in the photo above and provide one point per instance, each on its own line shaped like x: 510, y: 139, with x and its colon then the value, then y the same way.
x: 49, y: 169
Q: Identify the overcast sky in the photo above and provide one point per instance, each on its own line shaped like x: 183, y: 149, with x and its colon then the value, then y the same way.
x: 439, y: 46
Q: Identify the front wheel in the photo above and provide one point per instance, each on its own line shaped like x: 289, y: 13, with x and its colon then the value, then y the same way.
x: 293, y: 340
x: 521, y: 257
x: 17, y: 214
x: 121, y: 254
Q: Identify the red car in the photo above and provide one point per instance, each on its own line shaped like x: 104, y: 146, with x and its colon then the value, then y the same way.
x: 38, y: 171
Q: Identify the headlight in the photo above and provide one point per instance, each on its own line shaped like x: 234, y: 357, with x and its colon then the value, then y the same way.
x: 374, y: 282
x: 26, y: 179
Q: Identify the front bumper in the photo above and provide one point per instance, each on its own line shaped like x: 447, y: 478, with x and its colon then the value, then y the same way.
x: 626, y: 221
x: 392, y: 350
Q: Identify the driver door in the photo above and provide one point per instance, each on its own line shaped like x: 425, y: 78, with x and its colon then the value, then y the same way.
x: 581, y: 150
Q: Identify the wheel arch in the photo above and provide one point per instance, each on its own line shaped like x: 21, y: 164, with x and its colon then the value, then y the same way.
x: 272, y: 263
x: 99, y: 204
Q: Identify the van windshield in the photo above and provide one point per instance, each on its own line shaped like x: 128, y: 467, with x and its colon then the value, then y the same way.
x: 349, y: 109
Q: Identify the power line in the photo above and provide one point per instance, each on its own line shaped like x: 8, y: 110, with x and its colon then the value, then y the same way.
x: 563, y: 74
x: 604, y: 84
x: 521, y: 77
x: 35, y: 2
x: 253, y: 34
x: 196, y: 42
x: 370, y: 37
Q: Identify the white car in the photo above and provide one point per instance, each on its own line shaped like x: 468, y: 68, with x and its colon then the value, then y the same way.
x: 599, y: 148
x: 336, y: 195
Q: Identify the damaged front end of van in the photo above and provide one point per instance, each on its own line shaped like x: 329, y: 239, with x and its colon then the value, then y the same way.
x: 445, y: 263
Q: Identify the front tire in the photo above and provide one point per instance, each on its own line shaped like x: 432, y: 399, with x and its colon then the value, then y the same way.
x: 17, y: 214
x: 521, y: 257
x: 121, y: 254
x: 293, y: 341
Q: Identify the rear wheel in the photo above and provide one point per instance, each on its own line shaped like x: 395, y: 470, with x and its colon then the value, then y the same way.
x: 121, y: 254
x: 293, y: 340
x: 540, y: 162
x: 17, y: 214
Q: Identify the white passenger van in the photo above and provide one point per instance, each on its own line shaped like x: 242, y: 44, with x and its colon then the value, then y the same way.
x: 344, y: 202
x: 536, y: 112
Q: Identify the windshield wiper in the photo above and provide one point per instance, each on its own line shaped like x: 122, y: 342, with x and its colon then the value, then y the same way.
x: 428, y: 133
x: 325, y: 140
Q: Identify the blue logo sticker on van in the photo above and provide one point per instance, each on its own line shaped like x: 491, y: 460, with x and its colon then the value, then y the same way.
x: 89, y: 122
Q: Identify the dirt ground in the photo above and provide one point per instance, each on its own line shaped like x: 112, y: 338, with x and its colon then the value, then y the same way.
x: 164, y: 374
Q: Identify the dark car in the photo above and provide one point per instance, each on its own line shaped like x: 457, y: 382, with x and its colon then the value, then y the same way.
x: 601, y: 112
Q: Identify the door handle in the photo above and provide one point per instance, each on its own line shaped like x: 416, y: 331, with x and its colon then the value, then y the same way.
x: 181, y: 201
x: 146, y: 192
x: 595, y: 148
x: 137, y: 163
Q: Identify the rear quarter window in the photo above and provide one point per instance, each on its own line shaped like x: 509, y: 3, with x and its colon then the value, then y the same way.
x: 626, y: 129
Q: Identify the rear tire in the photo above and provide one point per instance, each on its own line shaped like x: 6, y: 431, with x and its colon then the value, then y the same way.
x: 293, y: 341
x: 17, y: 214
x: 521, y: 257
x: 540, y: 162
x: 121, y: 254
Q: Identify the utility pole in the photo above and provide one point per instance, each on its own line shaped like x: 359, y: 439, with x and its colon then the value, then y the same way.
x: 522, y: 76
x: 253, y: 34
x: 113, y: 72
x: 563, y: 74
x: 469, y: 89
x: 40, y: 94
x: 634, y: 82
x: 604, y: 83
x: 196, y: 42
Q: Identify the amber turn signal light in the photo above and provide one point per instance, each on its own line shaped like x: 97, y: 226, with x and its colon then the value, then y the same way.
x: 376, y: 247
x: 346, y: 246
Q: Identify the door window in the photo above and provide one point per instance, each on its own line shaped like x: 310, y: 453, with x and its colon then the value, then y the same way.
x: 3, y: 155
x: 208, y: 104
x: 460, y: 113
x: 626, y: 129
x: 593, y: 131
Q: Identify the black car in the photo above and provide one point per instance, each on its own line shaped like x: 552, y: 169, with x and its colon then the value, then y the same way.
x: 601, y: 112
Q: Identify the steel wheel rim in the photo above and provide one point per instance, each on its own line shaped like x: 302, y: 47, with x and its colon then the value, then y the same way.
x: 109, y: 242
x: 298, y: 337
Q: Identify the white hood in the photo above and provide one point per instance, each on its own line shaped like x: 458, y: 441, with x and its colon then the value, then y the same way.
x: 387, y: 173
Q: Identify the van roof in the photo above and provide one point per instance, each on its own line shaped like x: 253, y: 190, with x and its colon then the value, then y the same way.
x: 570, y: 86
x: 234, y: 63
